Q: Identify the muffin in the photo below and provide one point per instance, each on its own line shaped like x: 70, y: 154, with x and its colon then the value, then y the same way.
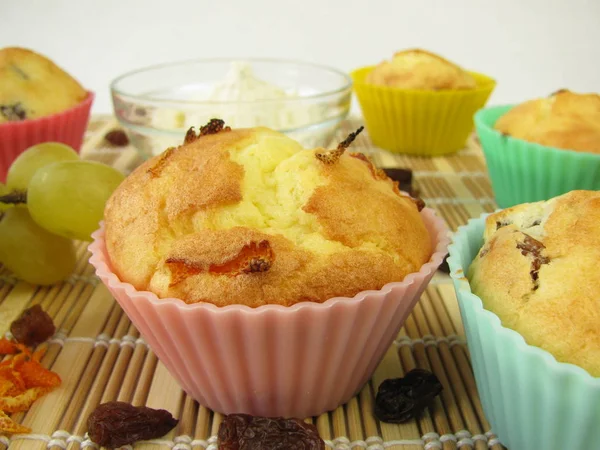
x: 550, y: 252
x: 419, y: 102
x: 528, y: 291
x: 268, y: 278
x: 420, y: 69
x: 565, y: 120
x: 33, y: 86
x: 542, y: 148
x: 39, y: 102
x: 254, y: 219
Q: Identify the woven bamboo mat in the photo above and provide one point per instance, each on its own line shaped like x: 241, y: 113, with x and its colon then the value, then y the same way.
x: 101, y: 357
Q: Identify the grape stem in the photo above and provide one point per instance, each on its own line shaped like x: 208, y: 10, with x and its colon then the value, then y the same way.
x: 14, y: 197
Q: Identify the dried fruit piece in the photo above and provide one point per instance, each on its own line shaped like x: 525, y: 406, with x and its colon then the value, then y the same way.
x: 244, y: 432
x: 22, y: 401
x: 7, y: 425
x: 22, y: 381
x: 117, y: 138
x: 402, y: 399
x: 33, y: 327
x: 332, y: 156
x: 8, y: 347
x: 190, y: 136
x: 254, y: 257
x: 114, y: 424
x: 214, y: 126
x: 36, y: 375
x: 13, y: 112
x: 533, y: 247
x: 11, y: 382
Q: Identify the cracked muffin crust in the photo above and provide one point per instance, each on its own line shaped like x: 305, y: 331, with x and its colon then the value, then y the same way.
x: 250, y: 217
x: 32, y: 86
x: 420, y: 69
x: 538, y: 271
x: 565, y: 120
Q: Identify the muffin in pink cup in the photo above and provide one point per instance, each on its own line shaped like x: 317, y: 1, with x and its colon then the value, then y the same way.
x: 39, y: 102
x: 260, y: 285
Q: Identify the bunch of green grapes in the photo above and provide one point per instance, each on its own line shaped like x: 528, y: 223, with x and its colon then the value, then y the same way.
x: 50, y: 198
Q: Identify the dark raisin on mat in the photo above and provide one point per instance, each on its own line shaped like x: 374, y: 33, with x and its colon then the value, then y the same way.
x: 245, y: 432
x: 114, y: 424
x: 33, y: 327
x: 13, y: 112
x: 402, y: 399
x: 118, y: 138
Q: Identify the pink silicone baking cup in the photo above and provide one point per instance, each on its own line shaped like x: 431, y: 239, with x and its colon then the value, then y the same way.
x: 67, y: 127
x: 297, y: 361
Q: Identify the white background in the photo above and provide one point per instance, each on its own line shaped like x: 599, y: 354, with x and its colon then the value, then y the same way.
x: 532, y: 47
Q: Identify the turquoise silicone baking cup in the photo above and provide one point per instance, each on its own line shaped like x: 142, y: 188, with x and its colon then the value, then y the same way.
x: 531, y: 400
x: 523, y: 172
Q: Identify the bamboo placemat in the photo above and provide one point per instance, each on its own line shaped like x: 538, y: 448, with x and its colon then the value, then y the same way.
x: 101, y: 357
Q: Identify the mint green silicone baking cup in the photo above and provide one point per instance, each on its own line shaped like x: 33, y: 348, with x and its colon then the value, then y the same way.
x: 531, y: 400
x: 523, y: 172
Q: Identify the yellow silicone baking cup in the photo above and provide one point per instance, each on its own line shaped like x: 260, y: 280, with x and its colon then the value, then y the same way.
x: 420, y: 122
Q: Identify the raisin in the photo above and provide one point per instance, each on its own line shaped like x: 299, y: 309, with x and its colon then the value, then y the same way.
x: 244, y: 432
x: 13, y: 112
x: 214, y: 126
x: 118, y: 138
x: 33, y: 327
x: 402, y: 399
x: 114, y: 424
x: 190, y: 136
x: 532, y: 247
x: 503, y: 223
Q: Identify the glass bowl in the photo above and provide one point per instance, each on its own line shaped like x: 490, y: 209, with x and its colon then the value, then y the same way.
x: 157, y: 105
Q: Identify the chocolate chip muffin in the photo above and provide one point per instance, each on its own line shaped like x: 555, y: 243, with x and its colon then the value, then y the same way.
x: 250, y: 217
x: 565, y: 120
x: 538, y: 271
x: 32, y: 86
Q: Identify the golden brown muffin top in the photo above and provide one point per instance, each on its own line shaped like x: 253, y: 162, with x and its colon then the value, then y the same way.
x: 565, y: 120
x: 32, y: 86
x: 538, y: 271
x: 420, y: 69
x: 250, y: 217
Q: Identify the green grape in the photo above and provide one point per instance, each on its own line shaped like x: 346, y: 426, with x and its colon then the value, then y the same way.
x: 32, y: 253
x: 4, y: 190
x: 68, y: 197
x: 34, y: 158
